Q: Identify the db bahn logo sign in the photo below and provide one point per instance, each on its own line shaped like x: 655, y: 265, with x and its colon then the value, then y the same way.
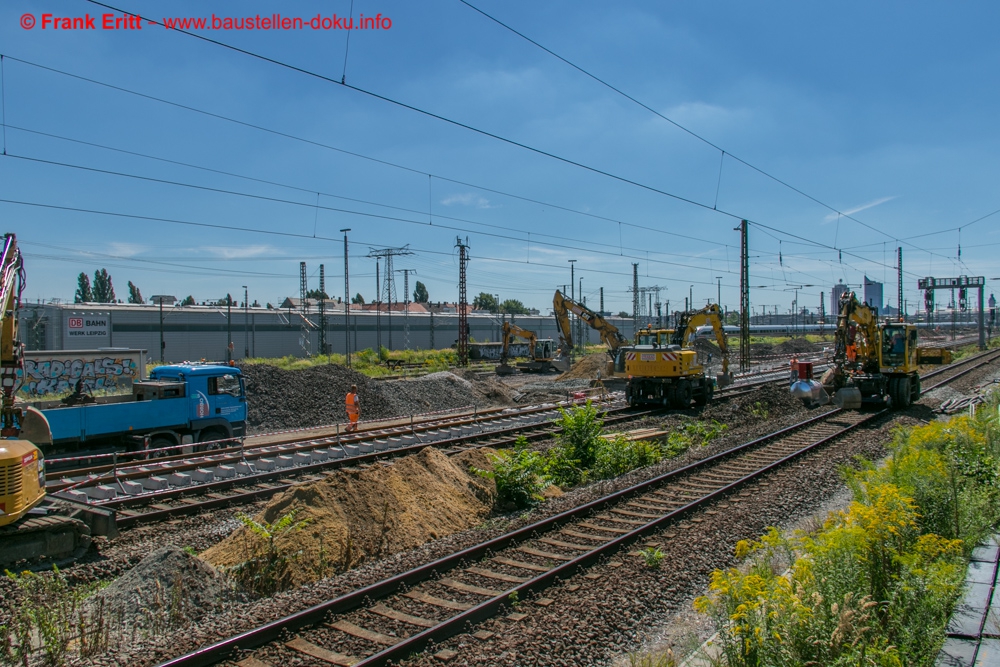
x: 98, y: 324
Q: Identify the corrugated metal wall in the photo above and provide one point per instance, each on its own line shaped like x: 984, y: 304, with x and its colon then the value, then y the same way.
x: 202, y: 332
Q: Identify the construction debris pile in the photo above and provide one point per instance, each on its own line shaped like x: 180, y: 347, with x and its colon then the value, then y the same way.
x: 280, y: 399
x: 354, y: 515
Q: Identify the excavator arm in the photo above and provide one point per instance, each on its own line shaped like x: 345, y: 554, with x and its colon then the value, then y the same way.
x: 689, y: 324
x: 514, y: 330
x: 562, y: 305
x: 856, y: 338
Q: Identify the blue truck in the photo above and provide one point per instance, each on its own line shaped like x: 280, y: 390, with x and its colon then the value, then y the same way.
x: 181, y: 404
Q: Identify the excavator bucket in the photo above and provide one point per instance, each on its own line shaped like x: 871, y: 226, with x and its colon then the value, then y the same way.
x: 724, y: 380
x: 848, y: 398
x: 504, y: 369
x: 35, y: 427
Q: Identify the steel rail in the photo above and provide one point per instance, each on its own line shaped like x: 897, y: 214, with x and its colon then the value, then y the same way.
x: 127, y: 517
x: 272, y: 631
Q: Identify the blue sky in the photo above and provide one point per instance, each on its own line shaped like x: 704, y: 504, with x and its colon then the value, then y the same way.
x: 885, y: 112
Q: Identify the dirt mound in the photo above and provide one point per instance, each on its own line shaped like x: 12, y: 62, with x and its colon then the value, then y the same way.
x: 355, y: 515
x: 167, y: 586
x: 796, y: 346
x: 586, y: 368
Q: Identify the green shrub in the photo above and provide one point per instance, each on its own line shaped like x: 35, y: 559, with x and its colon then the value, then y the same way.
x: 619, y: 455
x: 519, y: 474
x: 653, y: 556
x: 580, y: 434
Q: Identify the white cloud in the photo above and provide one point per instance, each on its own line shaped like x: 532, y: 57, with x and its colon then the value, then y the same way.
x: 126, y: 249
x: 240, y: 252
x: 467, y: 199
x: 872, y: 204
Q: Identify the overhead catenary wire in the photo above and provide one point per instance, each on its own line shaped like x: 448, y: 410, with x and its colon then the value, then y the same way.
x: 319, y: 144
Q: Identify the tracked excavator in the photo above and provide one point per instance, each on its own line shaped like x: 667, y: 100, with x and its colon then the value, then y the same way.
x: 33, y: 527
x: 542, y: 353
x: 664, y: 369
x: 873, y: 363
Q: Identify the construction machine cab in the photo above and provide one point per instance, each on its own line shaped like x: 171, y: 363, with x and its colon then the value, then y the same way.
x: 898, y: 348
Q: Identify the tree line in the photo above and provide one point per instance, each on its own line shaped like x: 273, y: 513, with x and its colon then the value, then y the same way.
x: 102, y: 290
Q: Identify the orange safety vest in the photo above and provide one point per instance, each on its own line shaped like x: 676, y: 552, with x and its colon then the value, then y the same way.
x: 352, y: 404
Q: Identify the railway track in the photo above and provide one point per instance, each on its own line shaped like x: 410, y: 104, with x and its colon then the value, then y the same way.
x: 182, y: 485
x: 386, y: 622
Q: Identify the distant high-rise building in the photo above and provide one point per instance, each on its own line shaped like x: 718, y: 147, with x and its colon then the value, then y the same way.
x: 873, y: 294
x: 835, y: 293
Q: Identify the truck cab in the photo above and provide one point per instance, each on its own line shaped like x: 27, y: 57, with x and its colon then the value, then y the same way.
x: 216, y: 396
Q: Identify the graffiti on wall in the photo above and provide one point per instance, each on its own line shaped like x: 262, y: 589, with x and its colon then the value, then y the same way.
x: 56, y: 376
x: 492, y: 351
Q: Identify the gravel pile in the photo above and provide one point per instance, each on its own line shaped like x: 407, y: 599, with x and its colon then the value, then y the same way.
x: 168, y: 584
x: 280, y: 399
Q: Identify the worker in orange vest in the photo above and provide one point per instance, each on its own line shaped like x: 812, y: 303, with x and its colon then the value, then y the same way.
x: 353, y: 408
x: 795, y: 369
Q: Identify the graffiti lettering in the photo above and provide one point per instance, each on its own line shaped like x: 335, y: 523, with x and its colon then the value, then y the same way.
x: 57, y: 376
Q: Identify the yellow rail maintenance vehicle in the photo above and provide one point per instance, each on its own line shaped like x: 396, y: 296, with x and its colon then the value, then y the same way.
x: 872, y: 362
x: 663, y: 369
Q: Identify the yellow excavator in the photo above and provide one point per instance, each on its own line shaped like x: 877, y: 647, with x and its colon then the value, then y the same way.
x: 872, y: 362
x: 542, y: 353
x: 32, y: 526
x: 663, y: 369
x: 562, y: 306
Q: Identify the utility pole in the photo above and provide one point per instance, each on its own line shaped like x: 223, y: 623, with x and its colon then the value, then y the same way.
x: 163, y: 345
x: 899, y: 277
x: 406, y: 303
x: 719, y: 294
x: 378, y: 313
x: 229, y: 328
x: 635, y: 297
x: 744, y: 297
x: 579, y: 320
x: 390, y: 283
x: 246, y: 322
x: 322, y: 310
x: 304, y: 341
x: 602, y: 302
x: 347, y: 304
x: 574, y: 325
x: 463, y: 302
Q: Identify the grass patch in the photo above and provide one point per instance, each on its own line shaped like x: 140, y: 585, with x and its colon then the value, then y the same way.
x: 367, y: 361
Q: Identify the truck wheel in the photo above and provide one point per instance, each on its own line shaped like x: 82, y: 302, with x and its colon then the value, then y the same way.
x: 160, y: 442
x: 210, y: 434
x: 899, y: 389
x: 683, y: 394
x: 704, y: 392
x: 914, y: 389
